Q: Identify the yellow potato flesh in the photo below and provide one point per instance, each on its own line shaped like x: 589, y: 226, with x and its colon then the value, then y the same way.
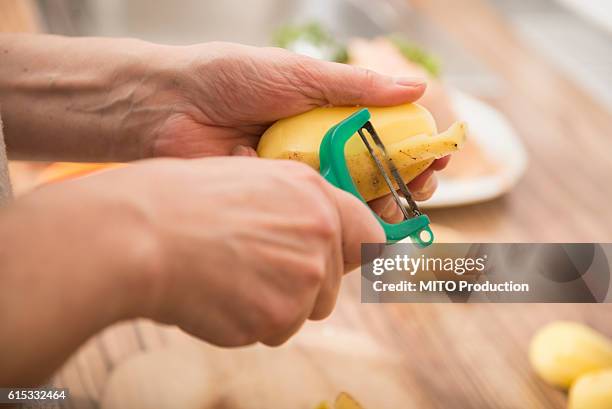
x: 592, y: 391
x: 408, y: 131
x: 345, y: 401
x: 562, y: 351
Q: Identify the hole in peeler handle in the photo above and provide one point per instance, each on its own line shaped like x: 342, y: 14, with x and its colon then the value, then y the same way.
x: 423, y: 237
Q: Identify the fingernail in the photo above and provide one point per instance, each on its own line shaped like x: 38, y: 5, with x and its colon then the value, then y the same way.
x: 241, y: 150
x: 410, y: 81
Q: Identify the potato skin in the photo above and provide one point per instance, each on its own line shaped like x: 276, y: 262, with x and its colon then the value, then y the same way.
x: 592, y: 391
x: 408, y: 131
x: 562, y: 351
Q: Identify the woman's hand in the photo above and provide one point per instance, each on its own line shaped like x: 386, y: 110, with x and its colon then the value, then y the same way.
x: 97, y: 99
x: 229, y: 94
x: 248, y: 248
x: 422, y: 187
x: 233, y: 250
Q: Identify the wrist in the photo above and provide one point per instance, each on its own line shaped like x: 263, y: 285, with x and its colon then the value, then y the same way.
x: 89, y: 99
x: 126, y: 249
x: 126, y: 245
x: 176, y: 82
x: 68, y: 262
x: 146, y: 96
x: 84, y: 249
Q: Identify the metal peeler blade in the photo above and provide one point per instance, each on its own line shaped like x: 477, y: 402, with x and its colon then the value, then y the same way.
x: 410, y: 211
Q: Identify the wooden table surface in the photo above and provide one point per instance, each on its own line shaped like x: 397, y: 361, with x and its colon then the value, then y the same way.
x: 465, y: 356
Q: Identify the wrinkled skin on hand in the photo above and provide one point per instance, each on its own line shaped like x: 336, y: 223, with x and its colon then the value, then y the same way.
x: 231, y: 94
x: 226, y: 95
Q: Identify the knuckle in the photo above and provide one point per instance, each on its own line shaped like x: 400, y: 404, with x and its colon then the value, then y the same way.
x: 243, y: 338
x: 290, y: 168
x: 354, y: 94
x: 324, y: 221
x: 321, y: 314
x: 312, y: 273
x: 369, y: 78
x: 282, y: 56
x: 276, y: 341
x: 367, y: 83
x: 325, y: 227
x: 304, y: 172
x: 279, y: 316
x: 305, y: 74
x: 249, y: 334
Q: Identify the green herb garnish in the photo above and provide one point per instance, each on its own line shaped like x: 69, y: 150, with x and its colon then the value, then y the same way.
x: 417, y: 55
x: 312, y: 35
x: 314, y: 40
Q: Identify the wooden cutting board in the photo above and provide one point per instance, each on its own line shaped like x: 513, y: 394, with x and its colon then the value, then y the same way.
x: 314, y: 367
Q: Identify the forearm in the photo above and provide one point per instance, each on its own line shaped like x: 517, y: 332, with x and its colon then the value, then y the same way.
x: 76, y: 99
x: 64, y: 277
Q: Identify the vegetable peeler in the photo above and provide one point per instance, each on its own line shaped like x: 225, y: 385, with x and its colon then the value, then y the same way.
x: 334, y: 169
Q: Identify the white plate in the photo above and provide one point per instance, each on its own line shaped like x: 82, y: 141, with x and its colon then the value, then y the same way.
x: 499, y: 141
x: 597, y: 11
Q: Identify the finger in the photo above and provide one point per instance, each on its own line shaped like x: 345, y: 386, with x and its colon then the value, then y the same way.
x: 282, y: 336
x: 328, y: 292
x: 441, y: 163
x: 380, y: 205
x: 358, y: 225
x: 386, y: 208
x: 417, y: 184
x: 242, y: 150
x: 427, y: 190
x: 342, y: 84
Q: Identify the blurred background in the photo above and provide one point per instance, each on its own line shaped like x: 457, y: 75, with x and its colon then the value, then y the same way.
x: 573, y: 34
x: 533, y: 80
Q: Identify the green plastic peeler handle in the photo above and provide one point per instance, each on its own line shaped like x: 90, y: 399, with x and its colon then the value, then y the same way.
x: 334, y: 169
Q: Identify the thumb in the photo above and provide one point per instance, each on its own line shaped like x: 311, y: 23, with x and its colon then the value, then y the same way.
x: 358, y: 225
x: 342, y: 84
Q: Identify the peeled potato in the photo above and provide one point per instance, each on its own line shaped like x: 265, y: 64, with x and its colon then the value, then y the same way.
x: 162, y: 379
x: 408, y: 131
x: 592, y: 391
x: 562, y: 351
x: 273, y: 378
